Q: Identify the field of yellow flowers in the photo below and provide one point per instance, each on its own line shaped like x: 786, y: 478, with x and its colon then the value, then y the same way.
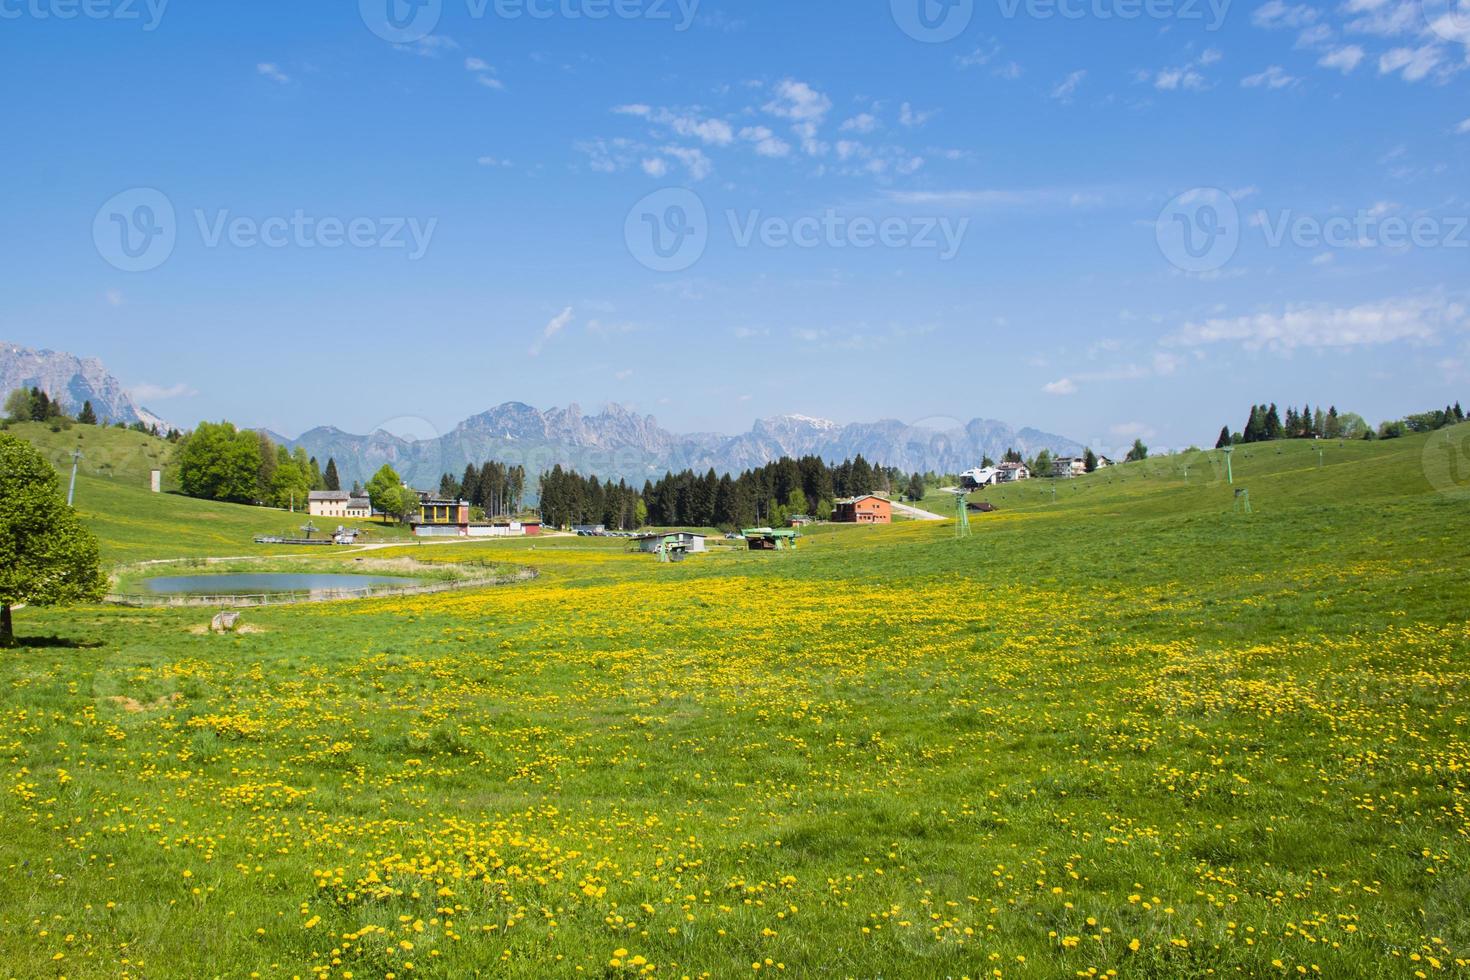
x: 1129, y: 734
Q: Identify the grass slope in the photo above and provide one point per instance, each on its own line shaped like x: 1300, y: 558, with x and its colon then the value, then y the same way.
x: 1130, y: 730
x: 111, y: 453
x: 134, y: 524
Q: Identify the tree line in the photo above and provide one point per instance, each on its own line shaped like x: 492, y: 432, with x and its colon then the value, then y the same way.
x: 769, y: 494
x: 496, y: 488
x: 1266, y: 424
x: 35, y: 405
x: 220, y: 462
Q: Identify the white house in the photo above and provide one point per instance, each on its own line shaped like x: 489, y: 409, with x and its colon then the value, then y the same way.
x: 328, y: 503
x: 980, y: 476
x: 1011, y: 472
x: 1066, y: 467
x: 359, y: 506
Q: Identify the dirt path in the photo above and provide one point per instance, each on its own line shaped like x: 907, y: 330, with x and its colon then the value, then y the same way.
x: 916, y: 513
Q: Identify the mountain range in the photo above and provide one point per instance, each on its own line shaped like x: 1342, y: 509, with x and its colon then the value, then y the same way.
x: 618, y: 443
x: 73, y: 380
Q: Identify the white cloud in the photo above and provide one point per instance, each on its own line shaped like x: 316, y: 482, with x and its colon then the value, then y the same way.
x: 1318, y: 326
x: 484, y: 73
x: 1384, y: 18
x: 1344, y: 59
x: 157, y: 393
x: 1316, y: 36
x: 553, y: 327
x: 1276, y: 14
x: 798, y: 102
x: 114, y: 297
x: 1414, y: 63
x: 1009, y: 71
x: 1173, y: 79
x: 767, y: 143
x: 273, y: 72
x: 1131, y: 430
x: 655, y: 167
x: 695, y: 162
x: 1464, y: 127
x: 1272, y: 78
x: 1064, y: 89
x: 493, y: 162
x: 430, y: 47
x: 1062, y: 386
x: 980, y: 56
x: 861, y: 123
x: 683, y: 122
x: 624, y: 375
x: 912, y: 118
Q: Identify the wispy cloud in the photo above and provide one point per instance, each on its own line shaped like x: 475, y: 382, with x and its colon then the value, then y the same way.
x: 1274, y: 77
x: 1067, y: 87
x: 1322, y: 326
x: 157, y: 393
x: 268, y: 69
x: 553, y: 327
x: 483, y: 73
x: 1344, y: 59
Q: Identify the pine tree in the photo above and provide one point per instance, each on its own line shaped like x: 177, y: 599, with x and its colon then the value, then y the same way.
x: 1273, y: 423
x: 87, y: 416
x: 1224, y: 439
x: 330, y: 477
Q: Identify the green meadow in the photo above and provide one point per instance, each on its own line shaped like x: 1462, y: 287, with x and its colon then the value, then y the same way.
x: 1122, y: 729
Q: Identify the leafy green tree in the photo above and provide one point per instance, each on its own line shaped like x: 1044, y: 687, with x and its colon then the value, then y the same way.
x: 916, y: 488
x: 290, y: 484
x: 408, y: 504
x: 383, y: 490
x: 219, y: 462
x: 1041, y: 465
x: 1138, y: 453
x: 18, y: 406
x: 47, y: 557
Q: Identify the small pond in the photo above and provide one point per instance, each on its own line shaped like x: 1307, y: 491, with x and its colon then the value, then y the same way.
x: 263, y: 583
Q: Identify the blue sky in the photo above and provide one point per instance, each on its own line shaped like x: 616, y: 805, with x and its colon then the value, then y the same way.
x: 1099, y: 217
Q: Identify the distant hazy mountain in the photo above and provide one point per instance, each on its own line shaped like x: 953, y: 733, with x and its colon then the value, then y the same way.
x: 73, y: 380
x: 620, y: 444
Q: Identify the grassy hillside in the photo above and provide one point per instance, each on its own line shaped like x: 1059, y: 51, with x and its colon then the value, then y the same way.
x: 137, y: 525
x: 134, y: 524
x: 115, y: 454
x: 1131, y: 730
